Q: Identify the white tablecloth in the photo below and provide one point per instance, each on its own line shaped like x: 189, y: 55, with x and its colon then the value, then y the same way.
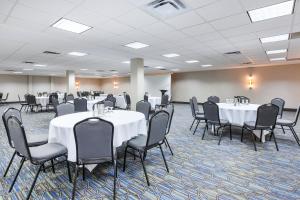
x: 154, y: 101
x: 127, y: 124
x: 239, y: 114
x: 61, y: 97
x: 120, y: 100
x: 42, y: 100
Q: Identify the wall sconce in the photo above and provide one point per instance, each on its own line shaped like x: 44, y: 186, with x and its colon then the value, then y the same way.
x: 77, y: 85
x: 250, y: 82
x: 116, y: 85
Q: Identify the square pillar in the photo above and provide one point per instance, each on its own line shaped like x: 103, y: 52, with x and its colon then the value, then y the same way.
x: 136, y: 81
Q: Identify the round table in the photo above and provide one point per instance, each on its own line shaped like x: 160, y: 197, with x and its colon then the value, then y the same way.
x: 154, y: 101
x: 42, y: 100
x: 127, y: 124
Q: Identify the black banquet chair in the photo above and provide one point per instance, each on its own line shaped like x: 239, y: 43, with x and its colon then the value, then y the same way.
x: 38, y: 155
x: 214, y: 99
x: 128, y: 101
x: 110, y: 97
x: 265, y: 121
x: 64, y: 109
x: 69, y: 97
x: 164, y: 102
x: 80, y: 105
x: 170, y: 110
x: 144, y: 107
x: 196, y: 107
x: 280, y: 103
x: 196, y: 117
x: 156, y: 137
x: 33, y: 139
x: 212, y: 117
x: 290, y: 124
x: 94, y: 144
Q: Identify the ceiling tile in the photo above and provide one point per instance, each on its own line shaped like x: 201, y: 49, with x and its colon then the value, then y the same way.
x: 198, y: 29
x: 185, y: 20
x: 231, y: 21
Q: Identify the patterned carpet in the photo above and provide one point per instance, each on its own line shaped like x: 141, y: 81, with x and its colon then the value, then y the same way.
x: 200, y: 169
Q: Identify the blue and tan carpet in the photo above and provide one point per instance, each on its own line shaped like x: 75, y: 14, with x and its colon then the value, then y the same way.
x: 200, y: 169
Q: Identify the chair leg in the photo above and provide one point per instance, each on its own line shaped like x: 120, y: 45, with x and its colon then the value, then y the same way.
x: 9, y: 164
x: 53, y: 169
x: 83, y: 172
x: 20, y: 167
x: 271, y: 135
x: 198, y: 122
x: 295, y: 135
x: 253, y: 140
x: 115, y: 177
x: 167, y: 142
x: 145, y: 155
x: 74, y: 182
x: 69, y: 171
x: 242, y: 136
x: 162, y: 153
x: 124, y: 162
x: 260, y: 138
x: 206, y: 127
x: 221, y: 134
x: 144, y: 168
x: 275, y: 140
x: 230, y: 132
x: 192, y: 124
x: 34, y: 181
x: 283, y: 129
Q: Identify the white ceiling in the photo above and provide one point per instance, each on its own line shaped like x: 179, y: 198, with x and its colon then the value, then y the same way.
x: 207, y: 30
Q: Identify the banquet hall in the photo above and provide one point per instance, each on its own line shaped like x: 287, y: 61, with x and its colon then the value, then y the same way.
x: 150, y: 99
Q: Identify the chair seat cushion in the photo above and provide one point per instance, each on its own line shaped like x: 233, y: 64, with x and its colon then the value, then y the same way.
x: 47, y: 152
x: 37, y: 139
x: 284, y: 122
x: 138, y: 142
x: 251, y: 125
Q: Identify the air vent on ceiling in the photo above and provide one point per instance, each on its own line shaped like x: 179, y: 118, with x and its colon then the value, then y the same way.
x: 146, y: 67
x: 247, y: 63
x: 9, y: 70
x: 113, y: 70
x: 28, y: 62
x: 295, y: 35
x: 166, y: 8
x: 163, y: 69
x: 233, y: 53
x: 100, y: 70
x: 51, y: 52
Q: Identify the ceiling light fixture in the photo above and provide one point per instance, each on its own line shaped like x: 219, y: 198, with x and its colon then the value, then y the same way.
x: 74, y: 53
x: 171, y: 55
x: 136, y: 45
x: 192, y: 61
x: 68, y: 25
x: 27, y: 69
x: 269, y: 12
x: 39, y: 65
x: 276, y: 38
x: 276, y: 51
x: 208, y: 65
x: 175, y: 70
x: 126, y: 62
x: 83, y: 69
x: 18, y: 72
x: 159, y: 67
x: 278, y: 59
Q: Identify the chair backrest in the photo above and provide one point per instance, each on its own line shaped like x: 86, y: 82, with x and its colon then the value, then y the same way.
x: 80, y: 105
x: 111, y: 98
x: 165, y: 99
x: 18, y: 137
x: 158, y: 125
x: 170, y: 110
x: 214, y: 99
x: 98, y: 103
x: 144, y: 107
x: 296, y: 116
x: 31, y: 99
x: 242, y: 99
x: 192, y: 108
x: 108, y: 103
x: 8, y: 113
x: 64, y: 109
x: 1, y: 95
x: 211, y: 112
x: 6, y: 97
x: 127, y: 98
x: 280, y: 103
x: 69, y: 97
x: 195, y: 103
x: 146, y: 97
x: 267, y: 115
x: 94, y: 140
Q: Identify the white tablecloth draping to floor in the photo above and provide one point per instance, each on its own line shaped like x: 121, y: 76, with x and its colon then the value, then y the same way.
x: 239, y: 114
x: 61, y: 97
x: 154, y: 101
x: 127, y: 124
x: 42, y: 100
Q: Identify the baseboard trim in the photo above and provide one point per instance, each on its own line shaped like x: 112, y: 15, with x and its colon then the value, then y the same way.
x: 184, y: 102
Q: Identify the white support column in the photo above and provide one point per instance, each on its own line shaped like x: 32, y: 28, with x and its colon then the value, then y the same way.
x: 52, y: 84
x: 71, y: 87
x: 136, y: 80
x: 29, y: 85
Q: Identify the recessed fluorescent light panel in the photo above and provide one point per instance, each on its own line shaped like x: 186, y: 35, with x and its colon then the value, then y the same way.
x: 39, y: 65
x: 192, y: 61
x: 27, y: 69
x: 276, y: 51
x: 83, y: 69
x: 269, y: 12
x: 71, y: 26
x: 74, y: 53
x: 18, y: 72
x: 277, y: 59
x: 126, y: 62
x: 208, y: 65
x: 175, y: 70
x: 171, y: 55
x: 136, y: 45
x: 276, y: 38
x: 159, y: 67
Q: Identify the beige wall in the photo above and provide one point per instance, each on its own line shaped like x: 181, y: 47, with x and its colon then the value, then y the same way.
x: 269, y: 82
x: 13, y: 84
x: 123, y: 83
x: 87, y: 84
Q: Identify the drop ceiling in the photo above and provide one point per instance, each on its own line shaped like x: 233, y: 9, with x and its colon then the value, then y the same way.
x: 204, y: 32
